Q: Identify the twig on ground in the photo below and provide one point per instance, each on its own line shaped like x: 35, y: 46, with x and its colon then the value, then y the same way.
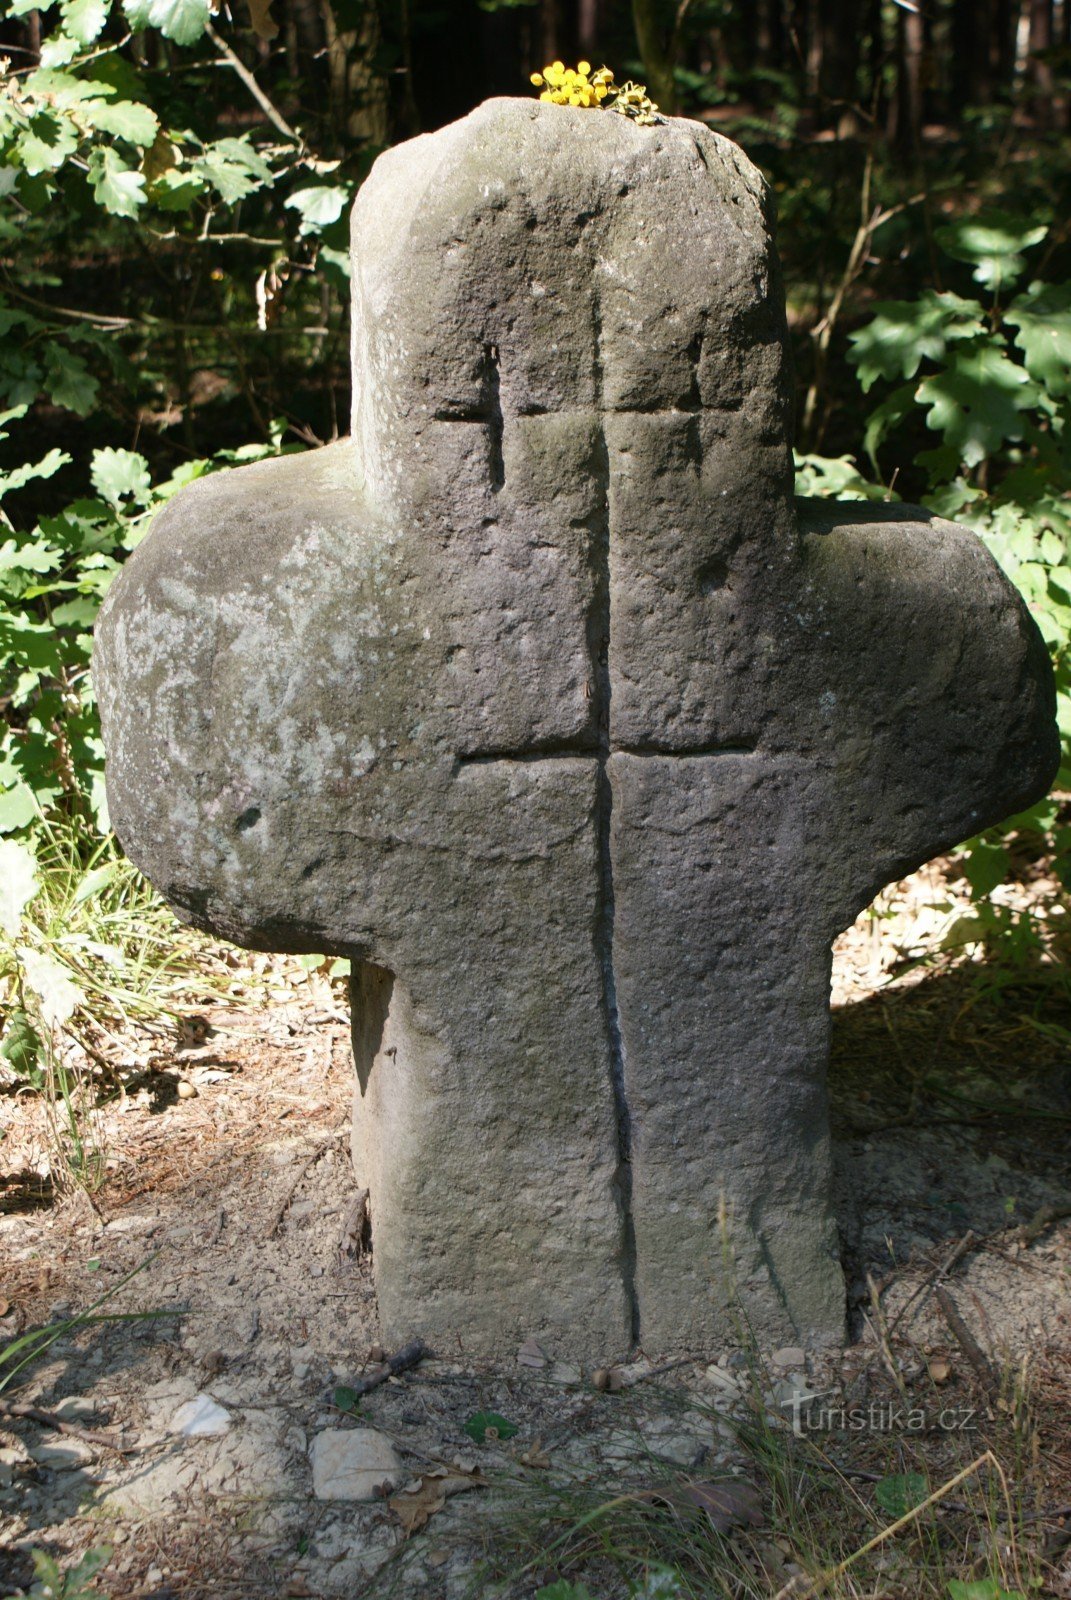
x: 408, y: 1356
x: 280, y: 1210
x: 1042, y: 1219
x: 351, y: 1238
x: 962, y: 1247
x: 963, y: 1336
x: 51, y: 1419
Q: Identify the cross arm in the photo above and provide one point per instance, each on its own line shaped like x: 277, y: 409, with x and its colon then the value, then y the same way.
x: 927, y: 692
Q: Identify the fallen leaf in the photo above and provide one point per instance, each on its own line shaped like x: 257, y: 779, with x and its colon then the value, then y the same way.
x: 901, y: 1492
x: 732, y: 1503
x: 414, y: 1508
x: 264, y: 24
x: 488, y: 1425
x: 530, y: 1355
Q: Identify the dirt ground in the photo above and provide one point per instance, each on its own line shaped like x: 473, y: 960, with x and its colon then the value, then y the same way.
x: 229, y: 1201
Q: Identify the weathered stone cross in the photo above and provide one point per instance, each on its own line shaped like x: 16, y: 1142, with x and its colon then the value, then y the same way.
x: 543, y: 701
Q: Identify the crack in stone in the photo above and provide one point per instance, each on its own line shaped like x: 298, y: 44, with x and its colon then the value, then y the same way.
x: 604, y: 805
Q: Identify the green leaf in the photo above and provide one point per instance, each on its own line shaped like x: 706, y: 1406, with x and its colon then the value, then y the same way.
x: 50, y: 980
x: 233, y: 168
x: 981, y: 1589
x: 18, y: 808
x: 347, y: 1400
x: 63, y: 89
x: 977, y: 401
x: 47, y: 142
x: 21, y: 1047
x: 893, y: 409
x: 985, y: 866
x: 835, y: 477
x: 18, y: 884
x: 84, y: 19
x: 58, y: 50
x: 117, y: 473
x: 48, y: 1574
x: 92, y: 1562
x: 31, y: 556
x: 901, y: 1493
x: 904, y: 333
x: 1043, y: 317
x: 952, y: 498
x: 992, y: 242
x: 68, y: 381
x: 118, y: 188
x: 182, y: 20
x: 335, y: 264
x: 31, y: 644
x: 19, y: 476
x: 80, y: 613
x: 563, y: 1590
x: 477, y: 1426
x: 175, y: 190
x: 126, y: 119
x: 318, y: 206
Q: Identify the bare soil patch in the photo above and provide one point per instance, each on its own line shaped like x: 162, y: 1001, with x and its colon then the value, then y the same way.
x: 230, y: 1199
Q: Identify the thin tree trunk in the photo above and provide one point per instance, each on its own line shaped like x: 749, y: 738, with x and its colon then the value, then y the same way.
x: 359, y: 94
x: 909, y: 46
x: 1041, y: 31
x: 656, y: 57
x: 1004, y: 37
x: 550, y: 29
x: 972, y: 25
x: 587, y: 29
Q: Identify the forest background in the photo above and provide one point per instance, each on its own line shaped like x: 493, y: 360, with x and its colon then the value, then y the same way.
x: 175, y: 184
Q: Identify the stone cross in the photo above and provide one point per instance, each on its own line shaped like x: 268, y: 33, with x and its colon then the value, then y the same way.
x: 542, y: 700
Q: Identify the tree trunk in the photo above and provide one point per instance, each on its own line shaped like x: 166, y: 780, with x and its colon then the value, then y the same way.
x: 1004, y: 35
x: 587, y: 29
x: 972, y: 25
x: 550, y: 30
x: 656, y: 56
x: 359, y: 91
x: 909, y: 49
x: 1040, y: 71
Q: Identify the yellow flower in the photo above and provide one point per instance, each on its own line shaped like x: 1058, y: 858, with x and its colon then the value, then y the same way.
x: 579, y: 86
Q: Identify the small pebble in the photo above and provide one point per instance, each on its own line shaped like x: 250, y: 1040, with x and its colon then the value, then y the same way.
x: 199, y: 1418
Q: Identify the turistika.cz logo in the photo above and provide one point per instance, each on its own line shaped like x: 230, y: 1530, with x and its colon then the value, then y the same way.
x: 817, y: 1413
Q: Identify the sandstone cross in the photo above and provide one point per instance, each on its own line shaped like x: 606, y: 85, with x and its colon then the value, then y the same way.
x: 542, y: 700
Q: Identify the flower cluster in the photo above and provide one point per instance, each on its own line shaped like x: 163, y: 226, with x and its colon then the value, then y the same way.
x: 579, y: 86
x: 632, y: 100
x: 565, y: 87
